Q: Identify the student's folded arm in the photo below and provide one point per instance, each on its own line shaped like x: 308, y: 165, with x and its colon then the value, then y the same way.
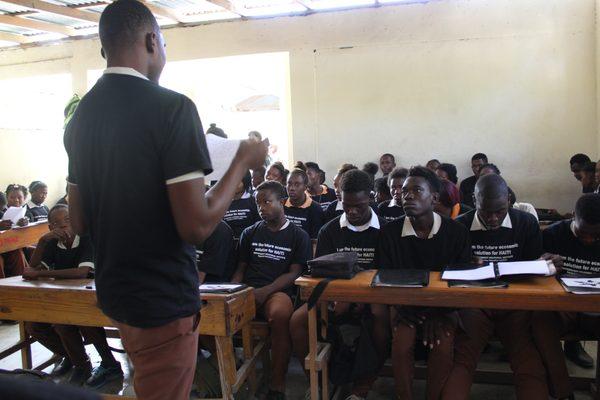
x: 76, y: 216
x: 70, y: 273
x: 38, y: 255
x: 238, y: 275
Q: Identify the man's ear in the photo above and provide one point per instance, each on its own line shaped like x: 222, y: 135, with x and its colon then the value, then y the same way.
x: 102, y: 53
x: 150, y: 41
x: 435, y: 197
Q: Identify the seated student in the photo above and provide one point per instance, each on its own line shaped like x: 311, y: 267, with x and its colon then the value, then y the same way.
x: 449, y: 201
x: 391, y: 210
x: 215, y: 258
x: 357, y: 229
x: 498, y: 233
x: 433, y: 164
x: 387, y: 162
x: 277, y: 172
x: 258, y: 176
x: 242, y: 211
x: 36, y: 209
x: 335, y: 208
x: 487, y: 169
x: 578, y: 242
x: 382, y: 190
x: 371, y: 168
x: 316, y: 189
x: 467, y: 186
x: 588, y: 177
x: 60, y: 254
x: 422, y: 239
x: 576, y: 163
x: 13, y: 263
x: 272, y: 254
x: 300, y: 209
x: 3, y: 203
x: 448, y: 172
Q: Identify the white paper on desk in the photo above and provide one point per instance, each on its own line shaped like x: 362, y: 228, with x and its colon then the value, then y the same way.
x: 538, y: 267
x: 475, y: 274
x: 14, y: 214
x: 221, y: 152
x: 212, y: 286
x: 592, y: 283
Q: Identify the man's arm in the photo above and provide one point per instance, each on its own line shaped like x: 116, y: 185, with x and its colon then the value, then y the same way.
x: 78, y: 223
x: 197, y: 213
x: 280, y: 284
x: 238, y: 276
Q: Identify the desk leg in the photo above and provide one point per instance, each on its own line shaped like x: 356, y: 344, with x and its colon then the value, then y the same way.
x: 324, y: 366
x: 312, y: 343
x: 227, y: 370
x: 26, y: 361
x: 248, y: 344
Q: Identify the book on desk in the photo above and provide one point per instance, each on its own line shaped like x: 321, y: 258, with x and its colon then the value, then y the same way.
x: 401, y: 278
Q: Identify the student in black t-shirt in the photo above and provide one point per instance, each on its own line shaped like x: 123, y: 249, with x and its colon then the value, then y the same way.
x: 300, y: 208
x: 272, y: 254
x: 242, y: 212
x: 577, y: 163
x: 216, y: 256
x: 498, y: 233
x: 578, y: 242
x: 382, y: 190
x: 588, y: 177
x: 422, y: 240
x: 126, y: 129
x: 277, y: 172
x: 335, y: 207
x: 36, y: 209
x: 258, y: 176
x: 387, y: 162
x: 62, y: 255
x: 467, y: 186
x: 391, y: 210
x: 357, y: 229
x: 448, y: 172
x: 315, y: 188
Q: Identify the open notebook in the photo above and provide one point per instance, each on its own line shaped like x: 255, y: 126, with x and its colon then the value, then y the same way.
x: 589, y: 284
x: 469, y: 272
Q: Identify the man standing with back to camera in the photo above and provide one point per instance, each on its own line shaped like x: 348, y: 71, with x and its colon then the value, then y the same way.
x: 130, y: 133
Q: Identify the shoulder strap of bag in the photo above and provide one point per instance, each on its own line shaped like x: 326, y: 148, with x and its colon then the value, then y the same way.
x: 317, y: 292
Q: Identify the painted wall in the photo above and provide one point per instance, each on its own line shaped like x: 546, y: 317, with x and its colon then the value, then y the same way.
x: 445, y: 79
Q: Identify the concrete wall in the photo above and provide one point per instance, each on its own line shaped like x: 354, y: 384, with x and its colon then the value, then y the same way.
x: 445, y: 79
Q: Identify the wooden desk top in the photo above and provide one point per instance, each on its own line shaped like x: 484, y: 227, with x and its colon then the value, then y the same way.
x: 17, y: 238
x: 536, y: 293
x: 73, y: 301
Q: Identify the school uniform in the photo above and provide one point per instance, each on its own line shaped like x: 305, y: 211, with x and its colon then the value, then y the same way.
x: 549, y: 327
x: 36, y: 212
x: 129, y: 129
x: 66, y: 340
x: 326, y: 197
x: 268, y: 255
x: 518, y: 239
x: 467, y: 188
x: 390, y: 210
x: 400, y: 248
x: 217, y: 255
x: 308, y: 216
x: 241, y: 214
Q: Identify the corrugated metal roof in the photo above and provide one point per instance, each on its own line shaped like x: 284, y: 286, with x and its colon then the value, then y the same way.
x: 59, y: 19
x: 11, y: 8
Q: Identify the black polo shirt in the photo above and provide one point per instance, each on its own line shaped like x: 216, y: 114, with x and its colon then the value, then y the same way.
x: 309, y: 216
x: 390, y: 211
x: 241, y: 214
x: 325, y: 198
x: 57, y: 256
x: 269, y: 254
x: 216, y: 256
x: 36, y: 213
x: 579, y: 258
x: 126, y: 140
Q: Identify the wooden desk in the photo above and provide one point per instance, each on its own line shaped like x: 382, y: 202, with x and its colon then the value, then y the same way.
x: 17, y: 238
x: 74, y: 302
x: 539, y: 293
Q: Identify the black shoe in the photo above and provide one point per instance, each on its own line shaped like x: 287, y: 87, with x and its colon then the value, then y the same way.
x: 275, y: 395
x: 101, y: 375
x: 62, y: 367
x: 80, y: 375
x: 575, y: 352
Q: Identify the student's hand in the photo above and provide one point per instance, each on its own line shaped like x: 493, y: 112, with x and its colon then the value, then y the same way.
x: 406, y: 316
x: 6, y: 224
x: 30, y: 274
x: 554, y: 259
x: 477, y: 260
x: 260, y: 296
x: 438, y: 327
x: 23, y: 222
x: 61, y: 235
x: 253, y: 153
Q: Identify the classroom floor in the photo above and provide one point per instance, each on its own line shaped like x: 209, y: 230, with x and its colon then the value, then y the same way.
x: 297, y: 384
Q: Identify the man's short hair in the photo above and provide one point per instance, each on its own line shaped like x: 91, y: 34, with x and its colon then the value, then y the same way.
x: 121, y: 21
x: 491, y: 186
x: 355, y: 181
x: 274, y: 187
x: 390, y: 156
x: 587, y: 208
x: 397, y: 173
x: 432, y: 179
x: 579, y: 158
x: 450, y: 169
x: 479, y: 156
x: 491, y: 166
x: 589, y: 167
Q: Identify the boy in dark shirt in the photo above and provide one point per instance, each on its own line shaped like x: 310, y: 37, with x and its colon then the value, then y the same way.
x: 273, y: 253
x: 578, y: 242
x: 335, y: 208
x: 300, y: 208
x: 242, y: 212
x: 36, y: 209
x: 392, y: 209
x: 62, y: 255
x: 498, y: 233
x: 467, y: 186
x: 576, y: 163
x: 588, y: 177
x: 422, y: 239
x: 215, y: 258
x: 387, y: 162
x: 315, y: 188
x: 357, y: 229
